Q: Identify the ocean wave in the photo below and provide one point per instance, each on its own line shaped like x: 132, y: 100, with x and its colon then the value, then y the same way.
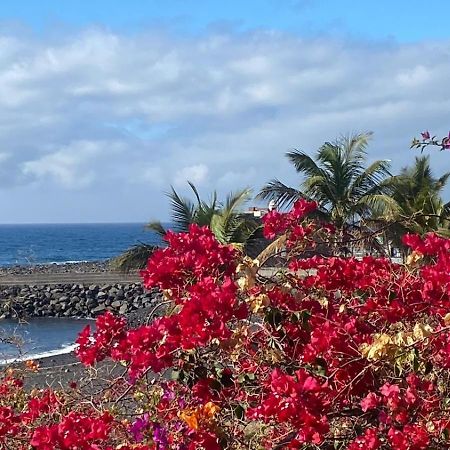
x: 61, y: 263
x: 60, y: 351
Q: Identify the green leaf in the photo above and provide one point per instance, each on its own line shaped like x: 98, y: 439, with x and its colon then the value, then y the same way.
x: 301, y: 317
x: 416, y: 362
x: 273, y: 317
x: 239, y: 412
x: 177, y: 375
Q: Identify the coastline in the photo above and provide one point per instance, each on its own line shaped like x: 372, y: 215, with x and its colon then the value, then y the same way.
x: 56, y: 267
x: 59, y: 367
x: 38, y: 356
x: 82, y: 290
x: 59, y: 370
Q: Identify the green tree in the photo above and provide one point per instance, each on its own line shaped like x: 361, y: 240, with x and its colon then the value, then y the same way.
x: 225, y: 219
x: 421, y: 209
x: 346, y: 189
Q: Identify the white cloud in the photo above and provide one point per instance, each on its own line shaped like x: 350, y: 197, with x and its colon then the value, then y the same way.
x: 133, y: 113
x: 415, y: 77
x: 195, y: 174
x: 153, y: 175
x: 72, y: 166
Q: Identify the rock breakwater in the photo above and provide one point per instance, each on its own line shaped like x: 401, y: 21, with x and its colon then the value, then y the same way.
x: 57, y: 268
x: 75, y: 300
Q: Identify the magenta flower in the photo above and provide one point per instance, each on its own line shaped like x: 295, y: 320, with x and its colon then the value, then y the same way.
x: 446, y: 142
x: 425, y: 135
x: 168, y: 394
x: 159, y: 436
x: 138, y: 428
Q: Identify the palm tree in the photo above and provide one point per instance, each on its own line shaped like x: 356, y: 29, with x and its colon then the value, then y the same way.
x: 418, y: 195
x: 345, y: 189
x: 225, y: 219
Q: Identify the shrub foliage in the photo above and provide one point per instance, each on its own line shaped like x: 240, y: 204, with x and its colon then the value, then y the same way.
x: 329, y: 353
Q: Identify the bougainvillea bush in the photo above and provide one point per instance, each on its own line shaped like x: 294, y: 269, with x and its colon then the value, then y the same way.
x: 329, y: 353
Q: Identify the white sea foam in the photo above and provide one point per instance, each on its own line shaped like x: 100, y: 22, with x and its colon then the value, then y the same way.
x: 48, y: 354
x: 61, y: 263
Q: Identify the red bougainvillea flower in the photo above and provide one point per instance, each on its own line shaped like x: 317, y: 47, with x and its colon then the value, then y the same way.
x: 338, y: 351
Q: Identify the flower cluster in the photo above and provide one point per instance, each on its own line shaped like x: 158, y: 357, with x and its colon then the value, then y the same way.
x: 109, y: 330
x: 427, y: 140
x: 188, y: 258
x: 73, y: 431
x: 195, y: 273
x: 330, y: 352
x: 276, y: 222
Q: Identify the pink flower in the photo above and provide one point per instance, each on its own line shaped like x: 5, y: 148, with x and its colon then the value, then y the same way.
x: 446, y: 142
x: 370, y: 401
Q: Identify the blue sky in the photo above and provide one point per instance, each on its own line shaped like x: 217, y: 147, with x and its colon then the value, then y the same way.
x: 402, y: 20
x: 105, y: 104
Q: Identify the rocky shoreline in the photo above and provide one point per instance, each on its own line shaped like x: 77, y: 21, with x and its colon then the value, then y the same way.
x: 75, y: 300
x: 56, y: 268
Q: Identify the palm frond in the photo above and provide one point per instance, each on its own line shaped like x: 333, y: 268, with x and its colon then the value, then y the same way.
x: 376, y: 205
x: 134, y: 258
x: 417, y: 193
x: 283, y: 195
x: 229, y: 225
x: 355, y: 145
x: 157, y: 227
x: 303, y: 163
x: 321, y: 189
x: 274, y: 248
x: 371, y: 178
x: 442, y: 181
x: 195, y: 191
x: 236, y: 200
x: 233, y: 223
x: 183, y: 211
x: 225, y: 220
x: 443, y: 232
x: 217, y: 227
x: 244, y: 229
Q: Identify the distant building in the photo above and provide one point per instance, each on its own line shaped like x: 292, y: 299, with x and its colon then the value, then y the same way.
x: 255, y: 211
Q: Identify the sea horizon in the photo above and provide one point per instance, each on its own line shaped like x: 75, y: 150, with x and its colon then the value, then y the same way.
x: 58, y: 243
x: 73, y: 223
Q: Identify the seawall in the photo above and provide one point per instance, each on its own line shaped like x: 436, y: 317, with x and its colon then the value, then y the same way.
x: 74, y: 299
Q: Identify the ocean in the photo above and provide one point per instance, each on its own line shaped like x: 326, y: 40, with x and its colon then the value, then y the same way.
x: 38, y: 338
x: 60, y: 243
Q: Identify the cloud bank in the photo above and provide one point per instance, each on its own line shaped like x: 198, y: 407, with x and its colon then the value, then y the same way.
x: 94, y: 126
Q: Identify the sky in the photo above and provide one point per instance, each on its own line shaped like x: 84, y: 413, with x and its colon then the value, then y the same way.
x: 105, y: 104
